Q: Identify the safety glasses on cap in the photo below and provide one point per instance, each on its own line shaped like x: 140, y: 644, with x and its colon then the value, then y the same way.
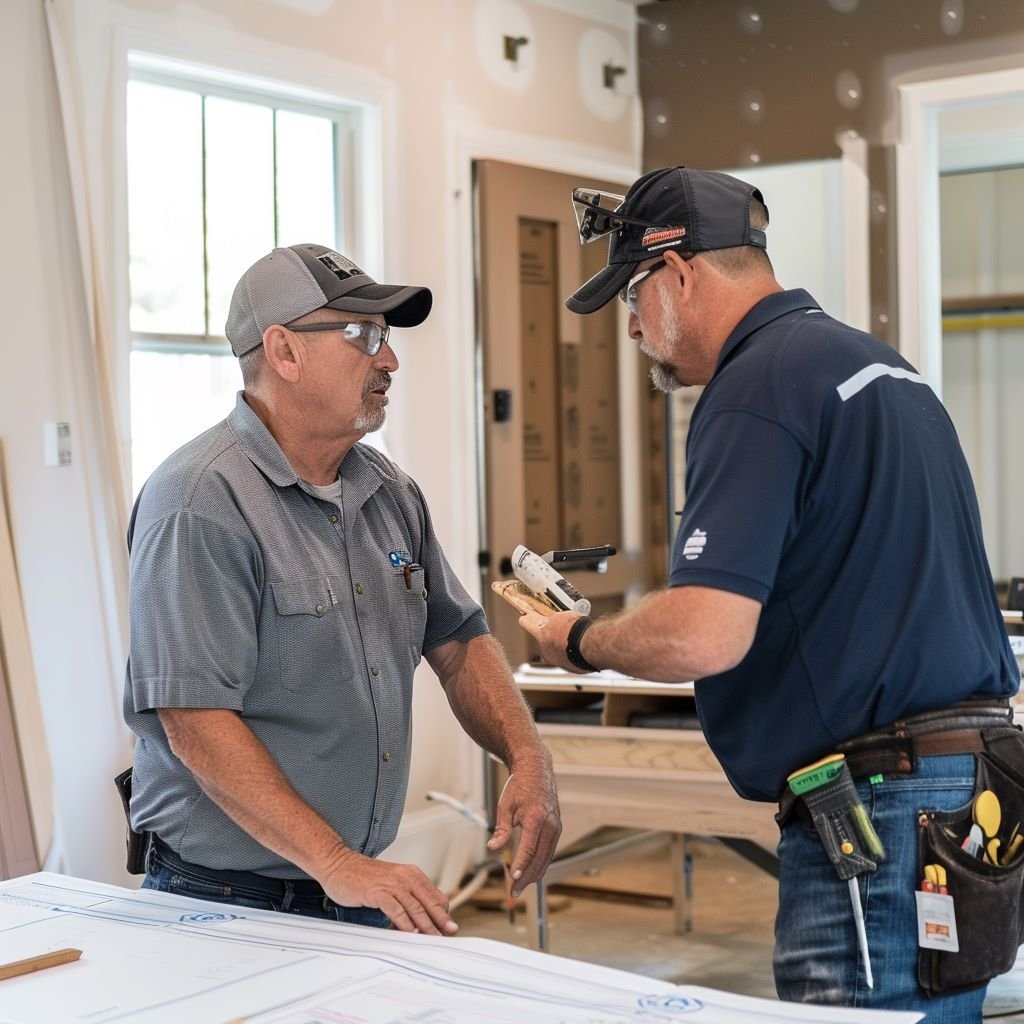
x: 366, y: 335
x: 598, y: 214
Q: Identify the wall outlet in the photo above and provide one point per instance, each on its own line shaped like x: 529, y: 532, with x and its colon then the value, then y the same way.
x: 57, y: 444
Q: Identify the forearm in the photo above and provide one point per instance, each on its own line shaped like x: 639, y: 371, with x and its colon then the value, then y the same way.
x: 646, y: 643
x: 486, y: 701
x: 234, y: 769
x: 672, y: 636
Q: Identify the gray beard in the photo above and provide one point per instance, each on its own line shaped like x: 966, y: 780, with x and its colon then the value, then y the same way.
x: 371, y: 416
x: 370, y: 419
x: 664, y: 379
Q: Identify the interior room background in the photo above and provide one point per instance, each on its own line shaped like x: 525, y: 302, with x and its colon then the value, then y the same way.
x: 810, y: 95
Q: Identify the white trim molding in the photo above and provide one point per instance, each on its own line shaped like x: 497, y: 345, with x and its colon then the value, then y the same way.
x: 917, y: 207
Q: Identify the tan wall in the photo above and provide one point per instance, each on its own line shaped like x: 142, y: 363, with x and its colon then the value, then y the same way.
x: 731, y: 84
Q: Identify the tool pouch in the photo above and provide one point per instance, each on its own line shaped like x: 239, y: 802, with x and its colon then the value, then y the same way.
x: 137, y: 843
x: 843, y: 827
x: 988, y: 899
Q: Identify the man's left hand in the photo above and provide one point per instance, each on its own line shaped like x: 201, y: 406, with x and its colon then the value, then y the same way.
x: 529, y: 802
x: 551, y: 633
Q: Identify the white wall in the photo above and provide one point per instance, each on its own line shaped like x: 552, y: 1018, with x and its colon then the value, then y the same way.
x: 434, y: 70
x: 58, y: 543
x: 806, y: 240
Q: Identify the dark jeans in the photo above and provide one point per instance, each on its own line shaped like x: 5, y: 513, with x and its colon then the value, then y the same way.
x: 817, y: 956
x: 167, y: 872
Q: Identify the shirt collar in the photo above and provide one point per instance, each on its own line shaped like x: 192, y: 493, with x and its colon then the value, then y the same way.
x: 358, y: 475
x: 770, y: 308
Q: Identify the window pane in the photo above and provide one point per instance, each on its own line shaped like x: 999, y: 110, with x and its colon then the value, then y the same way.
x: 165, y: 209
x: 239, y: 196
x: 305, y: 179
x: 175, y: 398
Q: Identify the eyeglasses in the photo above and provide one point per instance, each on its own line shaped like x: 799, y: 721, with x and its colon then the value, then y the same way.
x: 628, y: 293
x: 600, y: 213
x: 366, y: 335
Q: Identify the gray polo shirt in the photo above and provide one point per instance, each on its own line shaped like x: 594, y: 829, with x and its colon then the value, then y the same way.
x: 249, y: 592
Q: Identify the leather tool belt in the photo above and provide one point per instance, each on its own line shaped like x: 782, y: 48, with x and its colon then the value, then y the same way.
x: 894, y: 749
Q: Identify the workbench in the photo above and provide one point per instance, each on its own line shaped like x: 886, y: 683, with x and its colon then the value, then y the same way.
x: 630, y: 753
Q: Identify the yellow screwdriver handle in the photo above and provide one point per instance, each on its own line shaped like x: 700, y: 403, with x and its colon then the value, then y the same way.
x: 987, y: 812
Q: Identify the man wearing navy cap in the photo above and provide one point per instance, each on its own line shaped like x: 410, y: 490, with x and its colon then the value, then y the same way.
x: 829, y: 590
x: 285, y: 581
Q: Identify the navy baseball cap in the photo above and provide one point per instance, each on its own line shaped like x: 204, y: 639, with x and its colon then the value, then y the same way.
x: 292, y: 281
x: 670, y: 208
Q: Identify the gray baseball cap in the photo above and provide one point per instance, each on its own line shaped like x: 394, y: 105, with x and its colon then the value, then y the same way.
x: 292, y: 281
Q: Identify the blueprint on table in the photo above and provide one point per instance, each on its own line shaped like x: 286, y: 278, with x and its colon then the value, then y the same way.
x: 153, y: 958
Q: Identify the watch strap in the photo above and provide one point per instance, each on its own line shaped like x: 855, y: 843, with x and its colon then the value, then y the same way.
x: 572, y: 644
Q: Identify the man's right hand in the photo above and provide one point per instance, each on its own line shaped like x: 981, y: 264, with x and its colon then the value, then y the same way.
x: 234, y: 769
x: 402, y: 891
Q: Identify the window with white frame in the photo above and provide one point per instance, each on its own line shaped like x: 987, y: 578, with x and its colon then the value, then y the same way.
x: 217, y: 176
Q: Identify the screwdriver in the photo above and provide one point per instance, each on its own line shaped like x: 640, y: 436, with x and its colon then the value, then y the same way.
x: 862, y: 934
x: 830, y: 779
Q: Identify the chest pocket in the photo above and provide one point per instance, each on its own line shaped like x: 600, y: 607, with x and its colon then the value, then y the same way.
x: 312, y: 634
x: 411, y: 602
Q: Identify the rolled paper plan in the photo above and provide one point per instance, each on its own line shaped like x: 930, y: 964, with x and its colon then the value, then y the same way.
x: 522, y: 598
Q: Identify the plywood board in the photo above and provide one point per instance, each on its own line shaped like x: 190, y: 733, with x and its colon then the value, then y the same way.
x: 34, y: 774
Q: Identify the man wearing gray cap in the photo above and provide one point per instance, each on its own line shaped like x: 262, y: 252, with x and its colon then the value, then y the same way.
x: 828, y: 591
x: 285, y: 581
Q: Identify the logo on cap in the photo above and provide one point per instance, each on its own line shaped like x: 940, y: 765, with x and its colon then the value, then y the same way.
x: 661, y: 236
x: 339, y: 265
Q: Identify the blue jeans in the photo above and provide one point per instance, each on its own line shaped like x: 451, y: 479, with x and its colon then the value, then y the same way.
x: 167, y: 872
x: 817, y: 956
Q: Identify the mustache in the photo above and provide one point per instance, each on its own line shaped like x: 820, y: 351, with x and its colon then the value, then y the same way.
x: 379, y: 380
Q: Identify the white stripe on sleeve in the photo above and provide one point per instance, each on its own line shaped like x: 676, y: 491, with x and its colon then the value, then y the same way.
x: 862, y: 378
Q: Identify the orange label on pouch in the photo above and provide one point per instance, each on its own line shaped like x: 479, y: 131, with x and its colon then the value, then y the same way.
x: 936, y: 922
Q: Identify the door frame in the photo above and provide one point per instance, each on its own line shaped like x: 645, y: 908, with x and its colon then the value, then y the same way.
x: 467, y: 145
x: 919, y: 269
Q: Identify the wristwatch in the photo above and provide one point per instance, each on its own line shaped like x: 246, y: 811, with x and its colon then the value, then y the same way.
x: 572, y: 644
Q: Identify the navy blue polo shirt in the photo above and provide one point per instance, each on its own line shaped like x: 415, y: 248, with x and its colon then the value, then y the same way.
x: 826, y: 481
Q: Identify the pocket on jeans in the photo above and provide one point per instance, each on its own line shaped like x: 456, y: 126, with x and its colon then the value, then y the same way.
x: 198, y: 888
x: 372, y: 917
x: 185, y: 885
x: 987, y: 897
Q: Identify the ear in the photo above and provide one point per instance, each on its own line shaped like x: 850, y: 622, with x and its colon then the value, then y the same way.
x: 682, y: 272
x: 285, y: 352
x: 676, y: 262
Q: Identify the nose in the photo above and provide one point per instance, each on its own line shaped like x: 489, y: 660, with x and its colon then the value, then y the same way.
x: 386, y: 359
x: 634, y: 327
